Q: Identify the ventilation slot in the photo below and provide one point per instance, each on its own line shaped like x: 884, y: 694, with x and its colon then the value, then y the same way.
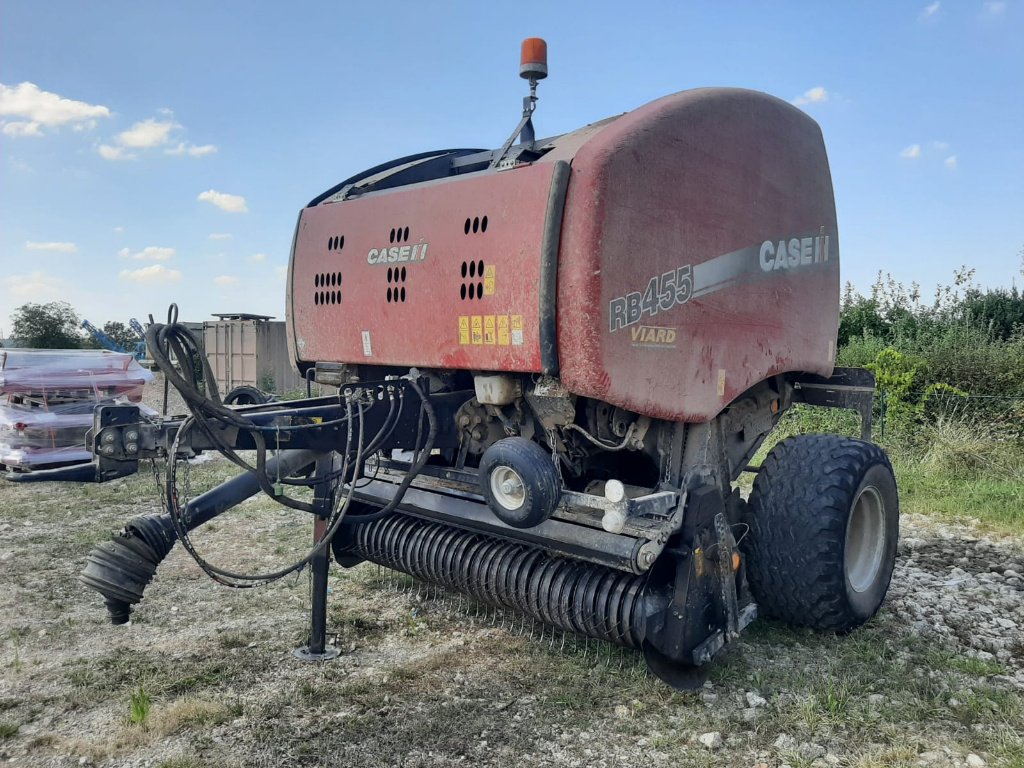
x: 326, y: 280
x: 396, y: 284
x: 475, y: 225
x: 472, y: 276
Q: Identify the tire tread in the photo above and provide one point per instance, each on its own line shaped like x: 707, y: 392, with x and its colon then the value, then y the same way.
x: 799, y: 508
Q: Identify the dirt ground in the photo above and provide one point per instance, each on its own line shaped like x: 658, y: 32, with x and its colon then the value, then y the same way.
x: 204, y: 675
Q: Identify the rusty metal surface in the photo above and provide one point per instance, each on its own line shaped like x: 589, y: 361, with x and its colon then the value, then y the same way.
x: 426, y: 322
x: 694, y: 177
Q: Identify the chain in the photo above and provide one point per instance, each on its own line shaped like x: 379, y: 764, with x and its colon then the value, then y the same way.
x: 158, y: 482
x: 187, y: 480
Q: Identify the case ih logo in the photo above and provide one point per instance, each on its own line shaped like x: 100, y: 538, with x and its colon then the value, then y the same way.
x: 395, y: 253
x: 797, y: 252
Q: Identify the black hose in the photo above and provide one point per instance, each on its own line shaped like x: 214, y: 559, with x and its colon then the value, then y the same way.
x: 419, y: 462
x: 243, y: 580
x: 207, y: 410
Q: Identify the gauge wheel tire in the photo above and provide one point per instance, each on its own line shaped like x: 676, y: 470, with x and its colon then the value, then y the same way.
x: 520, y: 482
x: 823, y: 532
x: 246, y: 395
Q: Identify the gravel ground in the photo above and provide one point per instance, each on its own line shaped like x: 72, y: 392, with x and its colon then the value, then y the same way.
x: 962, y: 591
x: 425, y: 679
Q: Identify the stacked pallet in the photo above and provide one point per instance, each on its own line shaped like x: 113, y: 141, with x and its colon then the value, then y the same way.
x: 47, y: 399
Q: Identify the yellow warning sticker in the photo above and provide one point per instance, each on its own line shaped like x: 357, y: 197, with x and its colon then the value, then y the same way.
x: 503, y: 335
x: 464, y: 329
x: 490, y: 336
x: 477, y: 328
x: 489, y: 272
x: 517, y: 330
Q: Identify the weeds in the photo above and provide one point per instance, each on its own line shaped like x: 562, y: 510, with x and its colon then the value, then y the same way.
x: 139, y: 706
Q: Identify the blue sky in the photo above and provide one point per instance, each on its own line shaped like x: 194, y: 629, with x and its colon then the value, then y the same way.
x: 161, y: 152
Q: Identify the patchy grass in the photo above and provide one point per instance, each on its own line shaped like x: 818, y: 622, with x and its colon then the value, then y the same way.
x: 953, y: 470
x: 997, y: 503
x: 426, y: 679
x: 182, y: 762
x: 189, y: 713
x: 233, y: 639
x: 138, y: 706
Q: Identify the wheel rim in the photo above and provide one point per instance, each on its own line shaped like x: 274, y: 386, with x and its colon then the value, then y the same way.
x: 507, y: 488
x: 865, y: 539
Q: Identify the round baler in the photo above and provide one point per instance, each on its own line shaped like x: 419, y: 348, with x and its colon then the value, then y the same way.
x: 586, y: 339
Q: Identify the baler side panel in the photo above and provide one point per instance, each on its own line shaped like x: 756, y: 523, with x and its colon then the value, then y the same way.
x: 700, y: 180
x: 427, y: 323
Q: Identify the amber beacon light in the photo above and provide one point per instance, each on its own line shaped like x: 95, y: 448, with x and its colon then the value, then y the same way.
x: 533, y: 62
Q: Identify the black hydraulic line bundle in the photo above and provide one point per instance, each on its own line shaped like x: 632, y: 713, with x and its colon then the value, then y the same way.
x: 198, y: 388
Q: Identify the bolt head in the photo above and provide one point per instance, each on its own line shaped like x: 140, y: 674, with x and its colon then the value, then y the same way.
x: 108, y: 437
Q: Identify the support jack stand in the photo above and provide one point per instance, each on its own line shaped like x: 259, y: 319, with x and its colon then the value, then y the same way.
x: 317, y: 649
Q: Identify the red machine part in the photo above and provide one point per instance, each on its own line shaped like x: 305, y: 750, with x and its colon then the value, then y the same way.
x: 698, y: 256
x: 404, y: 286
x: 698, y: 181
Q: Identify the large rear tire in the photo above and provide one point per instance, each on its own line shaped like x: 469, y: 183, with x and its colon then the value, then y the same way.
x: 823, y: 532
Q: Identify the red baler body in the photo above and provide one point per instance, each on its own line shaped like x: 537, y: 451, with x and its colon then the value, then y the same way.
x: 697, y: 255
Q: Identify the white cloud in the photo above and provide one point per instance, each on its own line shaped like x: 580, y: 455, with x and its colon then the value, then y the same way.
x: 108, y: 152
x: 155, y: 273
x: 191, y: 150
x: 995, y: 8
x: 912, y: 152
x: 34, y: 109
x: 36, y: 286
x: 258, y: 257
x: 940, y: 145
x: 54, y: 247
x: 119, y: 229
x: 22, y: 128
x: 930, y: 10
x: 224, y: 201
x: 219, y: 235
x: 149, y: 253
x: 225, y: 280
x: 812, y: 96
x: 149, y: 133
x: 950, y: 162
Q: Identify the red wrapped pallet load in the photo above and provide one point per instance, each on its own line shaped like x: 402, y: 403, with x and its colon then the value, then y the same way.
x: 47, y: 399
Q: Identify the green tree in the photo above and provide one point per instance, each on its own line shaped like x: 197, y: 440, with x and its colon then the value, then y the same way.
x: 119, y: 333
x: 46, y: 326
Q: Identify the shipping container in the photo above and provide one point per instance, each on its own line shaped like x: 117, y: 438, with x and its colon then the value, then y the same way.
x: 250, y: 350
